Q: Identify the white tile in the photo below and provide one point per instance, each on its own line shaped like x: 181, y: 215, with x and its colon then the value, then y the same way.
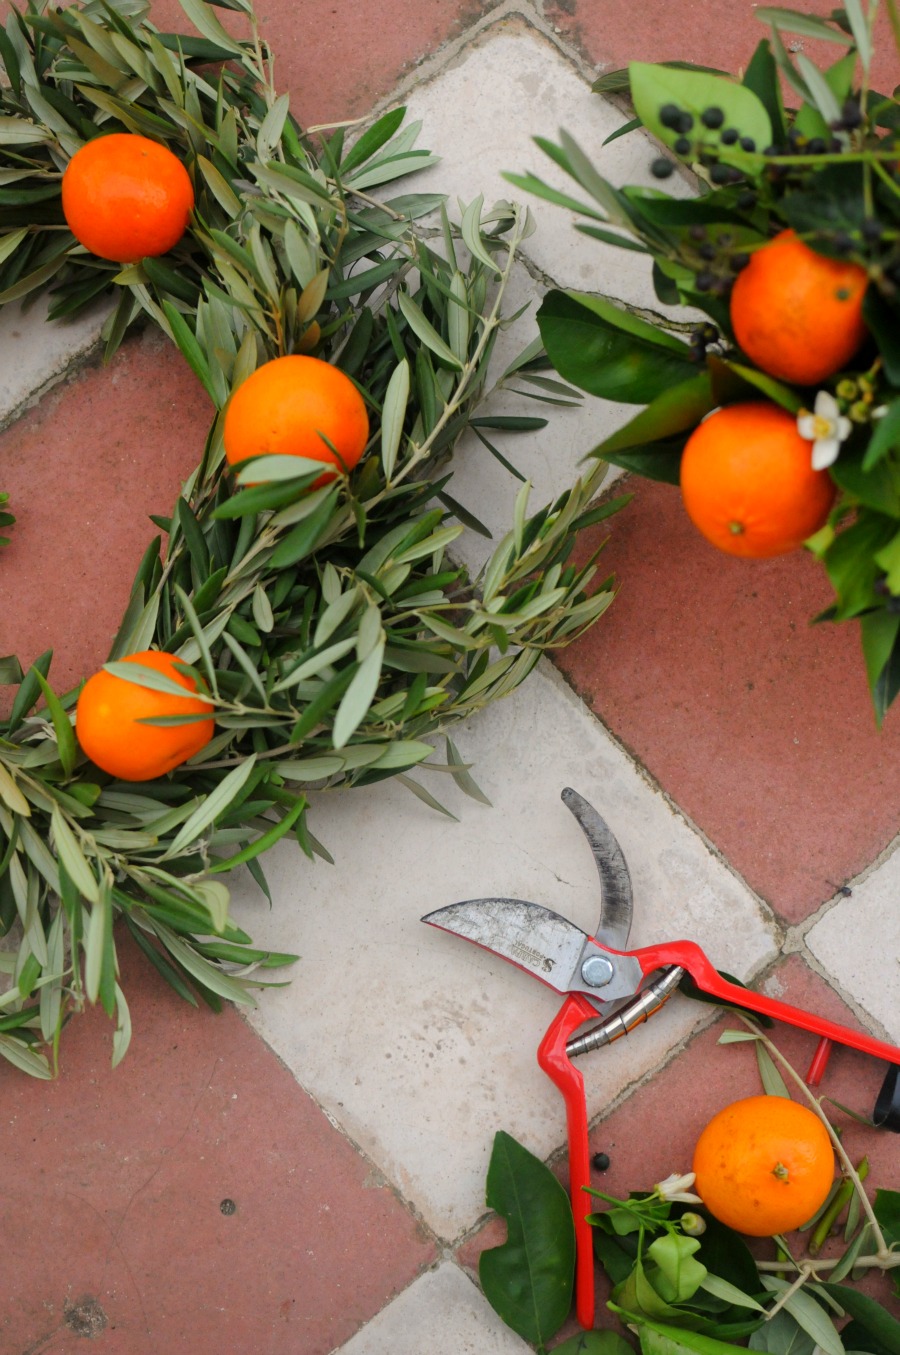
x: 858, y: 942
x: 36, y: 351
x: 481, y: 116
x: 421, y: 1046
x: 442, y: 1313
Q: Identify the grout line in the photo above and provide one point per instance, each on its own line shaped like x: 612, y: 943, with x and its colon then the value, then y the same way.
x: 72, y: 367
x: 376, y: 1175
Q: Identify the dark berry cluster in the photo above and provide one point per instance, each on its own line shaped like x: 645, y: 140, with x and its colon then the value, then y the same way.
x: 701, y: 339
x: 699, y: 145
x: 716, y: 260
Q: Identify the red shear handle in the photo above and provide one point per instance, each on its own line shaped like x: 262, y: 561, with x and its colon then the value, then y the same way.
x: 706, y: 976
x: 556, y: 1063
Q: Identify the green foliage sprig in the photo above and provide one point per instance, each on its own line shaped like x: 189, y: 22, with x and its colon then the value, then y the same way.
x: 826, y: 167
x: 335, y: 636
x: 7, y: 519
x: 682, y: 1282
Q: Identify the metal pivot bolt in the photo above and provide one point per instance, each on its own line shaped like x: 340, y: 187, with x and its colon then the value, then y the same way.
x: 597, y: 971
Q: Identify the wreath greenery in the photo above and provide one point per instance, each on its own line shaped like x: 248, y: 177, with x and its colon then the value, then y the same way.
x: 335, y: 636
x: 786, y: 146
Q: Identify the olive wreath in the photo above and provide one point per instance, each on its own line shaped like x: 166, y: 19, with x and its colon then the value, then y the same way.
x: 335, y: 636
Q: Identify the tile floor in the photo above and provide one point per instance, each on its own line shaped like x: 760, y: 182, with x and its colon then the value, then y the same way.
x: 311, y: 1179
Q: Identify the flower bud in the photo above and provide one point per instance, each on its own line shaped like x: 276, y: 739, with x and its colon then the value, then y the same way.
x: 693, y: 1225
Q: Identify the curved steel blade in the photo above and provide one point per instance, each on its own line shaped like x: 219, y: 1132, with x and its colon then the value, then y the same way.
x: 616, y: 905
x: 542, y: 943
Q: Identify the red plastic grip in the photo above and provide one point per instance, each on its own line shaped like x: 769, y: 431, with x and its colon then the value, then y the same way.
x: 689, y: 955
x: 561, y: 1071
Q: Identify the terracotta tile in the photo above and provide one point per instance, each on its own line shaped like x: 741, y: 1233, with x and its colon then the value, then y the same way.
x: 340, y: 58
x: 701, y: 31
x: 653, y: 1131
x: 757, y: 724
x: 118, y: 1209
x: 84, y: 470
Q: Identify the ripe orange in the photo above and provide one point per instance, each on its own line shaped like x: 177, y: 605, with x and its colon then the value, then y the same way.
x: 289, y: 406
x: 764, y: 1165
x: 748, y: 484
x: 796, y: 314
x: 126, y: 198
x: 108, y: 711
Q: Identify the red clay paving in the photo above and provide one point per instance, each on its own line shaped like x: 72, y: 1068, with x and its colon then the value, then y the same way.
x: 84, y: 470
x: 706, y: 32
x: 337, y: 60
x: 758, y: 724
x: 653, y: 1132
x: 195, y: 1201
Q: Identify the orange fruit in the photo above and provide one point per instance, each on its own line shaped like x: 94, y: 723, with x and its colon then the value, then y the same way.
x: 108, y: 712
x: 748, y: 484
x: 290, y: 406
x: 796, y: 314
x: 764, y: 1165
x: 125, y: 197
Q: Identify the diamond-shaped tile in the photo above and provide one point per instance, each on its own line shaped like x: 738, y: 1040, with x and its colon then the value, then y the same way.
x: 418, y: 1044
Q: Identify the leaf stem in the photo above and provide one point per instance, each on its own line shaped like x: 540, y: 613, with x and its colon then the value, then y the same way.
x: 889, y: 1262
x: 807, y: 1268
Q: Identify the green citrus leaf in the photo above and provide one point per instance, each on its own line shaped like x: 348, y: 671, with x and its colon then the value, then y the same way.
x: 528, y: 1280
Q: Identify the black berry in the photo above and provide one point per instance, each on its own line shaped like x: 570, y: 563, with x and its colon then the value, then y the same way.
x: 721, y: 174
x: 705, y: 280
x: 670, y: 115
x: 707, y: 251
x: 851, y: 114
x: 747, y: 143
x: 729, y: 136
x: 682, y: 146
x: 685, y: 122
x: 661, y: 168
x: 600, y: 1162
x: 712, y: 117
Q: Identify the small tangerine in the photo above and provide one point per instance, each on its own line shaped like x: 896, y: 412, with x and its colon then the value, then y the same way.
x: 797, y: 314
x: 109, y: 711
x: 764, y: 1165
x: 748, y: 483
x: 300, y: 406
x: 126, y: 198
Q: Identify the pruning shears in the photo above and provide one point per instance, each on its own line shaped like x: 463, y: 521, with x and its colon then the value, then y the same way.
x: 598, y: 974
